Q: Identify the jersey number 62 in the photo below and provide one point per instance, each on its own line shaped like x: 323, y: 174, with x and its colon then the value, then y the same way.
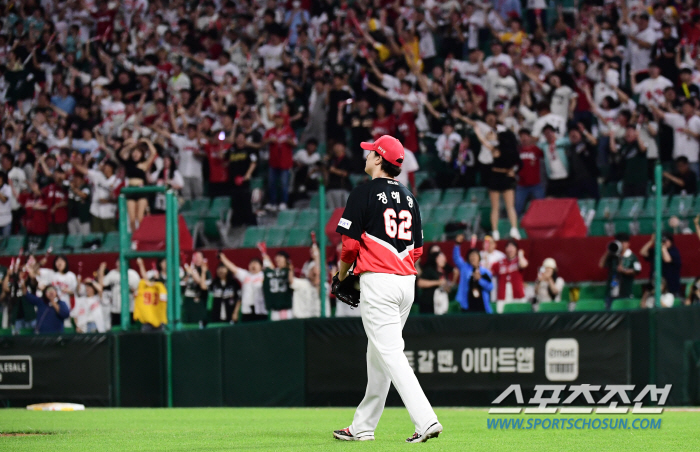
x: 403, y: 228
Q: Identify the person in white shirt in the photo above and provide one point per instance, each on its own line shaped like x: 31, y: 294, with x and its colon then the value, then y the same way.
x: 6, y: 200
x: 500, y: 86
x: 408, y: 167
x: 112, y: 295
x: 640, y: 40
x: 87, y: 311
x: 651, y: 90
x: 103, y: 206
x: 686, y: 132
x: 59, y: 277
x: 447, y: 141
x: 539, y: 57
x: 306, y: 296
x: 252, y: 305
x: 272, y: 53
x: 564, y: 98
x: 220, y: 67
x: 179, y: 80
x: 190, y: 154
x: 497, y: 56
x: 546, y: 118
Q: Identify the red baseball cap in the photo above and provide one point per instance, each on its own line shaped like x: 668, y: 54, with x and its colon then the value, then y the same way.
x: 388, y: 147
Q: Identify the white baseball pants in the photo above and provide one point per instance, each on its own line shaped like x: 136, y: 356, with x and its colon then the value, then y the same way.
x: 385, y: 302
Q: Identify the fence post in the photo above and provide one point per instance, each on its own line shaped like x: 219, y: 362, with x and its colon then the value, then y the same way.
x: 124, y: 245
x: 658, y: 173
x: 322, y: 245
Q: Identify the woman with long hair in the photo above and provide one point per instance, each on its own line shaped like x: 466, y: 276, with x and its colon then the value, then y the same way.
x: 501, y: 181
x: 169, y: 176
x: 137, y: 164
x: 226, y: 293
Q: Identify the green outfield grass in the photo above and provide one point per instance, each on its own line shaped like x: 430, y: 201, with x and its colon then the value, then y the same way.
x: 260, y: 429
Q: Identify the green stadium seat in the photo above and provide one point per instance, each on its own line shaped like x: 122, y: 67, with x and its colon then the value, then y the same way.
x: 681, y: 206
x: 426, y: 211
x: 219, y: 205
x: 253, y: 235
x: 431, y: 197
x: 631, y: 207
x: 314, y: 202
x: 199, y: 206
x: 479, y: 195
x: 12, y: 245
x: 5, y: 331
x: 607, y: 208
x: 592, y: 291
x: 504, y: 229
x: 92, y: 242
x: 287, y: 218
x: 649, y: 210
x: 307, y: 218
x: 590, y: 305
x: 432, y: 232
x: 517, y: 308
x: 602, y: 228
x: 453, y: 196
x: 466, y: 212
x: 421, y: 176
x: 111, y: 242
x: 454, y: 307
x: 275, y: 237
x: 624, y: 304
x: 357, y: 179
x: 442, y: 213
x: 557, y: 306
x: 191, y: 219
x: 55, y: 241
x: 299, y: 237
x: 609, y: 190
x: 585, y: 206
x: 73, y: 244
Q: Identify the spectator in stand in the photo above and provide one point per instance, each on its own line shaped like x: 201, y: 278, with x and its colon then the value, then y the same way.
x: 649, y: 296
x: 475, y: 281
x: 307, y: 168
x: 56, y: 200
x: 548, y: 285
x: 651, y: 89
x: 6, y: 200
x: 87, y: 310
x: 216, y: 149
x: 252, y: 306
x: 360, y: 121
x: 78, y: 205
x: 226, y: 295
x: 36, y: 212
x: 306, y: 298
x: 686, y: 132
x: 583, y: 168
x: 622, y: 266
x: 111, y: 292
x: 682, y: 181
x: 556, y: 162
x: 635, y: 170
x: 338, y: 181
x: 241, y: 160
x: 60, y: 277
x: 670, y: 261
x: 530, y: 186
x: 281, y: 140
x: 510, y: 278
x: 433, y: 284
x: 194, y: 283
x: 693, y: 293
x: 51, y: 311
x: 103, y: 207
x: 168, y: 176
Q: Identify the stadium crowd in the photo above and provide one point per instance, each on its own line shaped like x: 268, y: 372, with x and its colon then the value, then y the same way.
x: 524, y: 98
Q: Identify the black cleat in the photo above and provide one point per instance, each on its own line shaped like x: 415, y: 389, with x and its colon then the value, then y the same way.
x: 345, y: 435
x: 432, y: 432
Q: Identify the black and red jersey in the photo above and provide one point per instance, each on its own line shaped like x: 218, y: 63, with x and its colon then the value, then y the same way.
x: 383, y: 217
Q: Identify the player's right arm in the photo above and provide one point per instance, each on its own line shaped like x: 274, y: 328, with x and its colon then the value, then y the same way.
x: 350, y: 227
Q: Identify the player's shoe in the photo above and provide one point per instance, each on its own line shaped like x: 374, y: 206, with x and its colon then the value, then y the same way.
x: 432, y: 432
x: 345, y: 435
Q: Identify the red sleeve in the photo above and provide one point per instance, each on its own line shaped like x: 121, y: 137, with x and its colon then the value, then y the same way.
x: 351, y: 248
x: 417, y: 252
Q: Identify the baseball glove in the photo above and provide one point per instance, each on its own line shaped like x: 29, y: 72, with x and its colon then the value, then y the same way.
x: 347, y: 290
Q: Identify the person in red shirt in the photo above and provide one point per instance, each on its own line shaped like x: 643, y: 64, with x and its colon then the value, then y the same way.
x: 104, y: 19
x: 406, y: 126
x: 57, y: 202
x: 382, y: 124
x: 530, y: 184
x: 281, y: 140
x: 36, y: 216
x: 218, y: 174
x: 510, y: 277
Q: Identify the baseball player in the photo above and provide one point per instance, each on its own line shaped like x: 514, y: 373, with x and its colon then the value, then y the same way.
x: 382, y: 235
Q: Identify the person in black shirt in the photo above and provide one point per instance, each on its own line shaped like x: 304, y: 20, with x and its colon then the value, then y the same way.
x: 686, y: 89
x: 670, y: 261
x: 241, y: 160
x: 338, y: 183
x: 583, y: 170
x: 335, y: 99
x: 226, y: 293
x: 297, y: 110
x: 664, y: 53
x: 360, y: 121
x: 683, y: 181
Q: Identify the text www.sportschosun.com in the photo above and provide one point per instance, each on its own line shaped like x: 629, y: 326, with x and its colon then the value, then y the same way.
x: 574, y: 424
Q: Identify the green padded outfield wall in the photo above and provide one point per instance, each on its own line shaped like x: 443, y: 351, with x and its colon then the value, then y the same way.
x: 676, y: 330
x: 197, y: 367
x: 140, y: 369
